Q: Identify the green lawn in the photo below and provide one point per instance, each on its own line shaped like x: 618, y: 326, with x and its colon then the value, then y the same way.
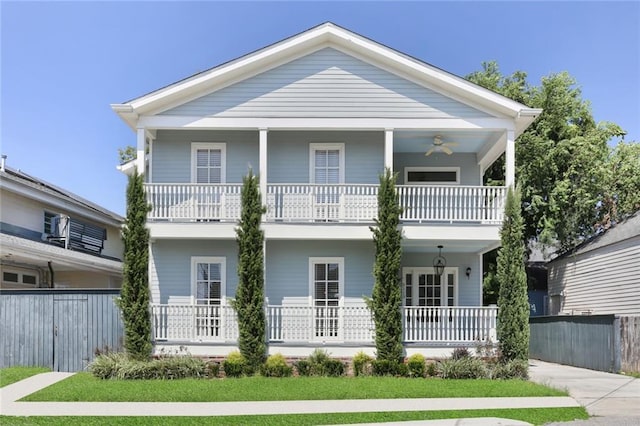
x: 536, y: 416
x: 10, y: 375
x: 84, y: 387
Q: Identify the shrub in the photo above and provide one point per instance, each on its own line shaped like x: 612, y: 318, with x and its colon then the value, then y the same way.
x: 304, y: 367
x: 361, y: 364
x: 463, y: 368
x: 432, y: 370
x: 514, y: 369
x: 459, y: 353
x: 121, y: 366
x: 276, y: 366
x: 383, y: 367
x: 213, y: 369
x: 416, y: 366
x: 234, y: 365
x: 320, y: 364
x: 333, y: 368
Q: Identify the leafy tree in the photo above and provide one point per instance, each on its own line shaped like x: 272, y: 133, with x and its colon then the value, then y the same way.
x: 513, y: 304
x: 249, y: 302
x: 385, y: 302
x: 561, y: 157
x: 134, y: 295
x: 622, y: 195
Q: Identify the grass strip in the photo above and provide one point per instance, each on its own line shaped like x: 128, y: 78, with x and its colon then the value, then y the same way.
x: 536, y: 416
x: 10, y: 375
x: 84, y: 387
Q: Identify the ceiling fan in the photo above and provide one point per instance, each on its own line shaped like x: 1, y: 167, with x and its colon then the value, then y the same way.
x: 440, y: 146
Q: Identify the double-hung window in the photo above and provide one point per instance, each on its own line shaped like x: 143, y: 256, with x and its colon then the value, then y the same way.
x: 327, y: 281
x: 208, y: 290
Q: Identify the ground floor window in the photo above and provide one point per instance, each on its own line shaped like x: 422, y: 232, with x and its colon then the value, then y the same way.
x: 327, y: 283
x: 16, y: 277
x: 208, y: 291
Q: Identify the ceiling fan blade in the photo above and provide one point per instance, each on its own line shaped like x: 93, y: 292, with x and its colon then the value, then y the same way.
x: 446, y: 150
x: 450, y: 144
x: 429, y: 152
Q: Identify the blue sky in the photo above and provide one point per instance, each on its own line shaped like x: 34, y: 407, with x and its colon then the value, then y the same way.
x: 64, y: 63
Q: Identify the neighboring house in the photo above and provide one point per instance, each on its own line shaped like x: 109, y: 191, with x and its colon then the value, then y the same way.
x: 601, y: 276
x: 319, y: 116
x: 52, y: 238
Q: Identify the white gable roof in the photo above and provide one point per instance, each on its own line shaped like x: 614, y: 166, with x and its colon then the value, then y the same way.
x: 315, y: 39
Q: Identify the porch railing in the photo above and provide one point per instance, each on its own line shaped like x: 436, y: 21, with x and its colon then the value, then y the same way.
x: 327, y: 203
x: 343, y: 324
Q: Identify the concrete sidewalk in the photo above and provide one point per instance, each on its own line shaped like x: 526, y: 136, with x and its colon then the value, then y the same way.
x: 602, y: 394
x: 10, y: 407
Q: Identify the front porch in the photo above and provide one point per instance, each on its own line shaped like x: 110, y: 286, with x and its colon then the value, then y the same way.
x: 217, y: 324
x: 342, y: 203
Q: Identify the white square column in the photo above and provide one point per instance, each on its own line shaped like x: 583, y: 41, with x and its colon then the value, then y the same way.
x: 263, y: 164
x: 388, y: 149
x: 510, y: 159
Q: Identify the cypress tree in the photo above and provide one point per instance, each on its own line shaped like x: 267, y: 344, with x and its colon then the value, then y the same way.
x: 249, y: 301
x: 385, y: 302
x: 134, y: 295
x: 513, y: 304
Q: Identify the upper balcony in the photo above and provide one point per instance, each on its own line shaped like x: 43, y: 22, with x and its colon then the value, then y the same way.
x: 346, y: 203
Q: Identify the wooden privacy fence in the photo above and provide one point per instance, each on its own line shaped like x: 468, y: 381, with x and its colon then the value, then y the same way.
x: 58, y: 329
x: 599, y: 342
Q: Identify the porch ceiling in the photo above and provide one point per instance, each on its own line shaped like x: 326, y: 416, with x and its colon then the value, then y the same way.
x: 421, y: 141
x: 477, y: 246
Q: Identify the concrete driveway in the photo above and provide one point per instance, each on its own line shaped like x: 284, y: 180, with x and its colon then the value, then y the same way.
x: 613, y: 398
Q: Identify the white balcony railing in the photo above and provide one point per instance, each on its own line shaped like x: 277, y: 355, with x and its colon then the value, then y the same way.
x: 344, y: 324
x: 328, y: 203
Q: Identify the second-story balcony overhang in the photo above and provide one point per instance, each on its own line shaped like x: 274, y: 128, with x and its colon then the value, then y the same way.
x: 311, y: 203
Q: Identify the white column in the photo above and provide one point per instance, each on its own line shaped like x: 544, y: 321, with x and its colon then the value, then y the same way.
x: 510, y: 159
x: 481, y: 275
x: 388, y: 149
x: 263, y: 165
x: 140, y: 150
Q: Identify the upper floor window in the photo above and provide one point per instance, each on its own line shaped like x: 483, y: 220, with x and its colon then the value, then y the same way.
x: 326, y: 163
x: 208, y: 162
x: 431, y: 175
x: 47, y: 222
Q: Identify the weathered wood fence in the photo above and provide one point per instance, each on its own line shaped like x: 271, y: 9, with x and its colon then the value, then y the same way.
x: 58, y: 329
x: 598, y: 342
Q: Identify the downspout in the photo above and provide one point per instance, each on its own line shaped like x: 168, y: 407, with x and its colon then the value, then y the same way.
x: 52, y: 274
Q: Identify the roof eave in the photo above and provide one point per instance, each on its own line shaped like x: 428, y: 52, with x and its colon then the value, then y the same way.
x: 321, y: 36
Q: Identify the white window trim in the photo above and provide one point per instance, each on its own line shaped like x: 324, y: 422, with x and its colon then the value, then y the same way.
x: 415, y: 271
x: 315, y: 260
x: 209, y: 145
x: 313, y: 147
x: 223, y: 275
x: 431, y: 169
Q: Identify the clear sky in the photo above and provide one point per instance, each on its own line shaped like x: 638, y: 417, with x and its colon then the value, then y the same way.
x: 64, y: 63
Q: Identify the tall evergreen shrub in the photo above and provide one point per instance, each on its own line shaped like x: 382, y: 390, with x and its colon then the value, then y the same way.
x: 385, y: 302
x: 513, y: 304
x: 134, y: 295
x: 249, y: 302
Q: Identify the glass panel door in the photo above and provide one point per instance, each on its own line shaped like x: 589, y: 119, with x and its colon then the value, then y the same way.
x: 326, y: 284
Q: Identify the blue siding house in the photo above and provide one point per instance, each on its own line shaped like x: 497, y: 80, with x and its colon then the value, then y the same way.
x: 319, y: 116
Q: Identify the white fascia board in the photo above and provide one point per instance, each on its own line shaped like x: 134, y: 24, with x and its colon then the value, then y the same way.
x: 310, y: 123
x: 247, y: 65
x: 289, y: 49
x: 127, y: 168
x: 192, y: 230
x: 280, y: 231
x: 55, y: 201
x: 42, y: 253
x: 451, y: 232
